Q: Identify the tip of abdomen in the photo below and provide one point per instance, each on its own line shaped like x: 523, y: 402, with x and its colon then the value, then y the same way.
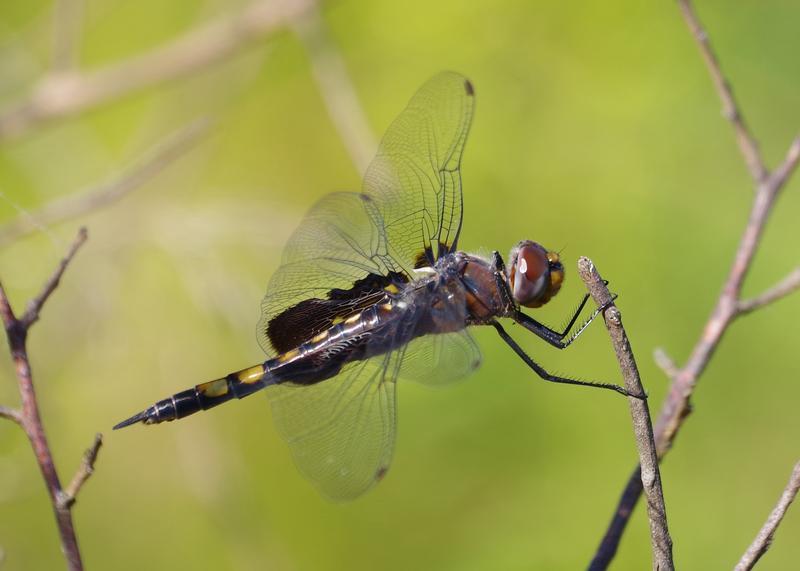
x: 139, y: 417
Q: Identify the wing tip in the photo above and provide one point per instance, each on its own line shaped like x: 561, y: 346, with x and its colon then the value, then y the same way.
x: 468, y: 87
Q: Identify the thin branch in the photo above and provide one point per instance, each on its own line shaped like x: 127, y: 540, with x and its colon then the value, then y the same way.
x: 640, y: 414
x: 610, y: 543
x: 69, y: 92
x: 11, y: 414
x: 337, y: 89
x: 665, y: 363
x: 31, y: 315
x: 145, y: 168
x: 6, y: 311
x: 786, y: 286
x: 787, y: 167
x: 763, y: 540
x: 730, y: 109
x: 677, y: 406
x: 30, y: 419
x: 86, y: 469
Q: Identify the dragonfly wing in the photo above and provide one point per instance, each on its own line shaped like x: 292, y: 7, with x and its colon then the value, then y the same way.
x: 351, y: 246
x: 341, y: 431
x: 415, y: 180
x: 335, y: 264
x: 437, y: 360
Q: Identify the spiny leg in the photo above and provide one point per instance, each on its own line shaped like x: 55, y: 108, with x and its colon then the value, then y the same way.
x: 555, y: 338
x: 539, y: 370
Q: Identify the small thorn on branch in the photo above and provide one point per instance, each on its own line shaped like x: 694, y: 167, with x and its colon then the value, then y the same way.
x: 665, y: 363
x: 11, y: 414
x: 69, y: 495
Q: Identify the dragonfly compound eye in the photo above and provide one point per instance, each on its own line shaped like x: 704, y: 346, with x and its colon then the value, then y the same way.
x: 535, y: 274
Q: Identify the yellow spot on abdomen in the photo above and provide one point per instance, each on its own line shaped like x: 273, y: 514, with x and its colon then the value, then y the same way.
x: 214, y: 389
x: 288, y: 356
x: 251, y: 375
x: 321, y: 337
x: 352, y: 319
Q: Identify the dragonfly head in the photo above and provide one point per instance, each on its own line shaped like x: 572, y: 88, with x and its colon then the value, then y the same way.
x: 535, y: 274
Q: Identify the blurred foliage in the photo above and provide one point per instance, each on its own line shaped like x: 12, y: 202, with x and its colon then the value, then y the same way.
x: 597, y: 132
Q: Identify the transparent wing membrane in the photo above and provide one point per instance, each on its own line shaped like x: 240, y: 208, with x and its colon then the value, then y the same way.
x: 438, y: 360
x: 414, y: 180
x: 336, y: 245
x: 341, y: 431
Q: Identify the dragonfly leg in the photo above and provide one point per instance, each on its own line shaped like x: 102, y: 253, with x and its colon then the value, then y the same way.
x: 555, y: 338
x: 501, y: 280
x: 559, y: 339
x: 539, y: 370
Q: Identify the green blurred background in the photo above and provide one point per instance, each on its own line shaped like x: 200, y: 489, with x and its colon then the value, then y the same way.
x: 597, y: 132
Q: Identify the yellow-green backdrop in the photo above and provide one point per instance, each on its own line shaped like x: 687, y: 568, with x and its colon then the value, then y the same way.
x: 597, y: 132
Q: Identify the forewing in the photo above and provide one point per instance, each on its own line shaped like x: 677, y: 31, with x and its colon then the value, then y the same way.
x: 415, y: 179
x: 335, y: 264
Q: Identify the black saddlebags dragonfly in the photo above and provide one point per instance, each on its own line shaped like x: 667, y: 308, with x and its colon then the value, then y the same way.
x: 372, y: 288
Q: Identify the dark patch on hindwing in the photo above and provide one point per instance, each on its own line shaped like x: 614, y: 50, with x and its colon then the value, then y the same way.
x: 303, y: 321
x: 424, y: 259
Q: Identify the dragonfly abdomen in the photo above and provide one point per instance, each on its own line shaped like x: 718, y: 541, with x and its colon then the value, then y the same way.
x: 322, y: 357
x: 203, y: 397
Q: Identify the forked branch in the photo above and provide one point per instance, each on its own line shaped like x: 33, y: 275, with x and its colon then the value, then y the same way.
x: 28, y: 416
x: 729, y: 306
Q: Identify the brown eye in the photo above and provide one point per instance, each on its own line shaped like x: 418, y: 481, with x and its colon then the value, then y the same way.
x: 535, y: 274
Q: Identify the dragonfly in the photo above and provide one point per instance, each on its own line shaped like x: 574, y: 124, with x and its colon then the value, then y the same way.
x: 372, y: 288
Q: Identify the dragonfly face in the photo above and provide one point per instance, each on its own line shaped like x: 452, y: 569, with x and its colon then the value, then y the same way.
x: 373, y: 289
x: 535, y: 274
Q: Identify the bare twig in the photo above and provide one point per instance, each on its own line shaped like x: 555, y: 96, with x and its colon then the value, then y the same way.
x: 68, y: 92
x: 787, y: 285
x: 763, y: 540
x: 28, y: 417
x: 11, y: 414
x: 31, y: 314
x: 640, y: 414
x: 730, y: 109
x: 677, y: 405
x: 665, y: 363
x: 336, y: 89
x: 85, y: 470
x: 150, y: 164
x: 786, y: 168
